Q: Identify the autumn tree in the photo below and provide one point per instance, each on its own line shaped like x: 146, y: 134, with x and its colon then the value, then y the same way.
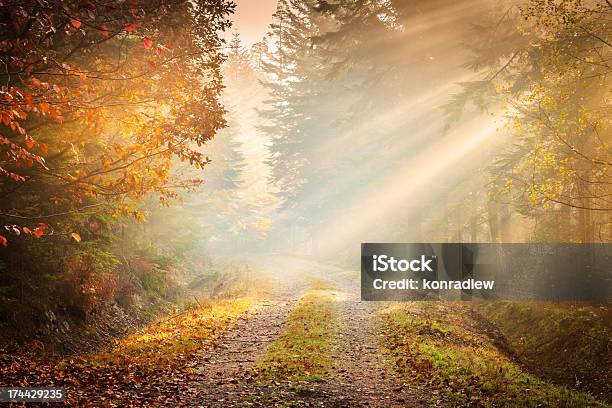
x: 99, y: 98
x: 100, y: 102
x: 550, y: 77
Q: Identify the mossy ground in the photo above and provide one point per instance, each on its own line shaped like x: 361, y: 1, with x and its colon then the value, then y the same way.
x: 441, y: 349
x: 567, y: 342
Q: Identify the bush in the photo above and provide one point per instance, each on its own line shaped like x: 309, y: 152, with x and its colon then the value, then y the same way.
x: 89, y: 281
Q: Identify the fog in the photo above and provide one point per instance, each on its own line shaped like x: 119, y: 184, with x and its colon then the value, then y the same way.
x: 349, y: 127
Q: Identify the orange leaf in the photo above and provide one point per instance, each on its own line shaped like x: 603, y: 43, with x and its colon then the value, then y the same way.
x: 76, y: 237
x: 27, y: 231
x: 27, y: 97
x: 147, y: 42
x: 159, y: 51
x: 3, y: 241
x: 44, y: 107
x: 133, y: 26
x: 76, y: 23
x: 153, y: 65
x: 29, y: 142
x: 40, y: 230
x: 104, y: 31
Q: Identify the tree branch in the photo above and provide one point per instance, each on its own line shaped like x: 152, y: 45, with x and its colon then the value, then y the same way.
x: 39, y: 217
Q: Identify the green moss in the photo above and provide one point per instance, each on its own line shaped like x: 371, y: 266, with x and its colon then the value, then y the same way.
x: 462, y: 368
x: 567, y: 342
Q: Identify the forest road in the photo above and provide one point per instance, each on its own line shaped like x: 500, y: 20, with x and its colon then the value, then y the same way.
x: 359, y: 378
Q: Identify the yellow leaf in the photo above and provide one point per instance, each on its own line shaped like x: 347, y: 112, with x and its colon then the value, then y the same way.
x: 76, y: 237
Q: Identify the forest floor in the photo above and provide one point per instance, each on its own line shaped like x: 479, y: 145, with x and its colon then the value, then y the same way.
x: 308, y: 342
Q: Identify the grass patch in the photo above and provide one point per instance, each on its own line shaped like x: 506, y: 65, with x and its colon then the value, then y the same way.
x: 176, y: 336
x: 567, y: 342
x: 438, y: 347
x: 302, y: 351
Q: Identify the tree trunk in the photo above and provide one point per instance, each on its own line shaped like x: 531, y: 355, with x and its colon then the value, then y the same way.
x: 493, y: 220
x: 505, y: 221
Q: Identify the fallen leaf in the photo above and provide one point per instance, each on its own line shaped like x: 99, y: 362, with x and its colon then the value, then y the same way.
x: 40, y: 230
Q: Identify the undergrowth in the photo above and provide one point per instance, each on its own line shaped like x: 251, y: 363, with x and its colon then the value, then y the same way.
x: 567, y: 342
x: 440, y: 349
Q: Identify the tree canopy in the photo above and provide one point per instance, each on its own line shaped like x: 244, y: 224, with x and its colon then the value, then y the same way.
x: 97, y: 101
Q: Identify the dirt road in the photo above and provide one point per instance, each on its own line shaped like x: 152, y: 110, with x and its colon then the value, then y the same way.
x: 359, y: 375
